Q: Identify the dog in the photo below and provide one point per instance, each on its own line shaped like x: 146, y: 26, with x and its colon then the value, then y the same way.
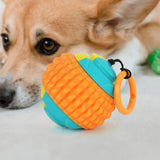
x: 34, y: 32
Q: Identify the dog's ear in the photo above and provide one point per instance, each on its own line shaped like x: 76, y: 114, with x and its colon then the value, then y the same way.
x: 119, y: 16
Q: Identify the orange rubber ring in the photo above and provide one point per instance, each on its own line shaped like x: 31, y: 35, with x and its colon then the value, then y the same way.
x: 117, y: 94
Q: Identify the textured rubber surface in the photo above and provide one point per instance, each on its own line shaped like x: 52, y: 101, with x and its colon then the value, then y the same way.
x: 75, y: 93
x: 100, y: 71
x: 56, y: 115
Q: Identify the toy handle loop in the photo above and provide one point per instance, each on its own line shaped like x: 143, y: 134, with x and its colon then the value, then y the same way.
x: 117, y: 93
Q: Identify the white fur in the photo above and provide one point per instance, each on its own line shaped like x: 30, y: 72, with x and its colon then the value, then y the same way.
x: 2, y: 56
x: 131, y: 55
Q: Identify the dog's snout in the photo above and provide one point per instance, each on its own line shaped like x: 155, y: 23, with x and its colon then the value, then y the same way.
x: 6, y: 97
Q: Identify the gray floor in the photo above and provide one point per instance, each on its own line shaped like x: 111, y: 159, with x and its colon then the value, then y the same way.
x: 30, y: 134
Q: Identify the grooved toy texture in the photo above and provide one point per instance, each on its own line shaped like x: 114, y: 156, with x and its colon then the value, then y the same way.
x: 75, y: 93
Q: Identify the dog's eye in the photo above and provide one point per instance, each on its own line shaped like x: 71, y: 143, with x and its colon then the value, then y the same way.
x: 47, y: 46
x: 6, y: 41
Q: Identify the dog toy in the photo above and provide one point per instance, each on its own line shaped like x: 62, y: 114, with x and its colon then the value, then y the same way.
x: 81, y: 91
x: 154, y: 60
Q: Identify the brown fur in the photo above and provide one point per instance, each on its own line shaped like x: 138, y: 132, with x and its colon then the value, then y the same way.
x: 149, y: 31
x: 104, y: 25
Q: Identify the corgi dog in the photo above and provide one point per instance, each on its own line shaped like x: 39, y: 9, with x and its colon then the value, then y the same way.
x: 34, y: 32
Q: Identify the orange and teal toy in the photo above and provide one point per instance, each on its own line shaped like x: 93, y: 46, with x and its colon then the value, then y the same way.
x: 81, y: 91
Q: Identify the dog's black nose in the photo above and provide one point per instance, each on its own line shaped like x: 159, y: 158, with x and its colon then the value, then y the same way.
x: 6, y: 97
